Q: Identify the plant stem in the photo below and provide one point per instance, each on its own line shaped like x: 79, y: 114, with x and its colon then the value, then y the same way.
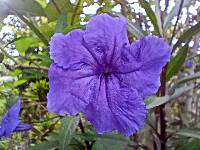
x: 75, y: 12
x: 34, y: 29
x: 83, y: 131
x: 56, y: 6
x: 162, y: 111
x: 178, y: 16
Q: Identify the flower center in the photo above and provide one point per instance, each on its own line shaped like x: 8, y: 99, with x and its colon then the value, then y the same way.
x: 107, y: 71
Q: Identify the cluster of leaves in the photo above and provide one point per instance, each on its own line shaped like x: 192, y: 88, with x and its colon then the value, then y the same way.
x: 25, y: 74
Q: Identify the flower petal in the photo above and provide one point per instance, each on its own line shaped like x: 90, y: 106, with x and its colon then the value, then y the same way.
x: 98, y: 111
x: 143, y: 64
x: 105, y: 36
x: 116, y: 107
x: 22, y: 127
x: 10, y: 120
x: 67, y: 50
x: 70, y: 91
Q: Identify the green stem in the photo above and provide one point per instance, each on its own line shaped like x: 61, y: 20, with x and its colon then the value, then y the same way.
x: 34, y: 29
x: 161, y: 110
x: 75, y: 11
x: 178, y: 16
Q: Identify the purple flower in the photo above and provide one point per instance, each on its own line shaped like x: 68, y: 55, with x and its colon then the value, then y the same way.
x: 98, y: 72
x: 11, y: 123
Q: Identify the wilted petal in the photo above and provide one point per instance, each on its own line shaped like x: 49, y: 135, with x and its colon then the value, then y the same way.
x: 70, y: 91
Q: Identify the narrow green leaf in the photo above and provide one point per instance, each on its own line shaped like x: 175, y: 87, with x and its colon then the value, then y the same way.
x: 110, y: 142
x: 174, y: 12
x: 135, y: 30
x: 25, y: 7
x: 189, y: 78
x: 19, y: 82
x: 177, y: 61
x: 29, y: 74
x: 187, y: 144
x: 61, y: 23
x: 184, y: 80
x: 54, y: 8
x: 193, y: 133
x: 157, y: 101
x: 187, y: 35
x: 151, y: 15
x: 68, y: 126
x: 51, y: 145
x: 158, y: 16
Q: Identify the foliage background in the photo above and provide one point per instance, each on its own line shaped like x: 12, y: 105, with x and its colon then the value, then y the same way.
x: 174, y: 113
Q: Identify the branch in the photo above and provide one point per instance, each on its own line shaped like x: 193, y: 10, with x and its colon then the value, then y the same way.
x: 178, y: 16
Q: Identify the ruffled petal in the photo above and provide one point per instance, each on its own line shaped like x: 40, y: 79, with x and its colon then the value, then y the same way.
x: 140, y: 65
x: 98, y: 111
x: 116, y: 107
x: 70, y: 91
x: 67, y: 50
x: 105, y: 36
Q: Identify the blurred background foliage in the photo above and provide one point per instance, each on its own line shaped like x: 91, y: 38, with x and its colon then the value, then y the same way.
x: 26, y: 27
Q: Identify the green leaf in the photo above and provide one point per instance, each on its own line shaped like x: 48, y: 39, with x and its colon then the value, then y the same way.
x: 25, y: 7
x: 76, y: 145
x: 188, y: 144
x: 135, y: 30
x: 55, y: 8
x: 157, y: 101
x: 23, y: 44
x: 151, y: 15
x: 19, y: 82
x: 174, y: 12
x: 177, y: 61
x: 189, y: 78
x: 47, y: 29
x: 187, y: 35
x: 61, y: 23
x: 34, y: 29
x: 87, y: 136
x: 193, y: 133
x: 29, y: 74
x: 110, y: 142
x: 68, y: 126
x: 158, y: 16
x: 51, y: 145
x: 43, y: 59
x: 150, y: 100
